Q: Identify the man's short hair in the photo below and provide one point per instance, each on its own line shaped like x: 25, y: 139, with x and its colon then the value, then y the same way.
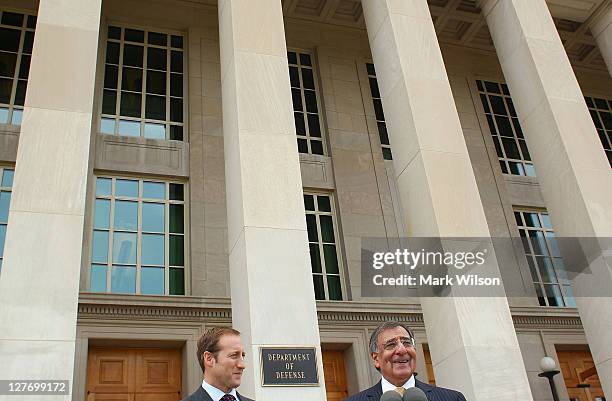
x: 383, y: 327
x: 209, y: 342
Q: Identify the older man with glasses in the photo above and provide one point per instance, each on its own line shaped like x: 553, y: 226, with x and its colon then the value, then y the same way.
x: 394, y: 356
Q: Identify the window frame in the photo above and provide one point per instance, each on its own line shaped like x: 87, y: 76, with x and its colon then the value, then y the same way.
x: 320, y: 243
x: 139, y: 232
x: 388, y: 155
x: 141, y: 120
x: 315, y: 76
x: 606, y: 132
x: 3, y: 189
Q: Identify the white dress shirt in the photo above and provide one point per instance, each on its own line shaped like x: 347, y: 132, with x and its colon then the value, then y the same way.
x: 217, y: 394
x: 386, y: 386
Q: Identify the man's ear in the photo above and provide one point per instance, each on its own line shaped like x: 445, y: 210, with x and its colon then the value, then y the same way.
x: 209, y: 359
x: 374, y: 356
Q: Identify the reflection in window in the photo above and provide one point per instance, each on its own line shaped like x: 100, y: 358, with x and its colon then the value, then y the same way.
x: 305, y: 104
x: 138, y: 241
x: 16, y: 41
x: 6, y: 184
x: 601, y: 113
x: 322, y: 240
x: 548, y: 272
x: 143, y: 84
x: 505, y: 128
x: 378, y: 110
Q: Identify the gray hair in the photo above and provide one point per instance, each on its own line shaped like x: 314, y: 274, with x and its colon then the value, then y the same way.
x: 383, y: 327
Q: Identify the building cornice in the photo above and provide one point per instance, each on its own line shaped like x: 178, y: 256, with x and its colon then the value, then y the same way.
x: 98, y: 307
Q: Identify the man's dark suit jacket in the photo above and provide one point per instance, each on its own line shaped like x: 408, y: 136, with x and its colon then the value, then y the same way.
x: 201, y: 395
x: 433, y: 393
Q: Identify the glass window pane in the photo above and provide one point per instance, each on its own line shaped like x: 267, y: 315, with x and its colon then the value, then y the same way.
x: 176, y: 191
x: 327, y: 229
x: 103, y: 186
x: 153, y: 217
x: 2, y: 238
x: 20, y: 93
x: 387, y: 155
x: 497, y: 103
x: 156, y: 59
x: 311, y: 101
x: 302, y: 145
x: 176, y: 61
x: 160, y: 39
x: 123, y: 280
x: 511, y: 149
x: 156, y: 82
x: 324, y: 203
x: 9, y: 39
x: 129, y: 128
x: 382, y: 133
x: 176, y: 133
x: 334, y: 288
x: 545, y: 266
x: 31, y: 21
x: 177, y: 281
x: 177, y: 41
x: 152, y: 249
x: 109, y: 102
x: 292, y: 57
x: 316, y: 147
x: 374, y: 88
x: 313, y: 125
x: 305, y: 59
x: 13, y: 19
x: 107, y: 126
x: 318, y: 286
x: 7, y: 178
x: 553, y: 295
x: 97, y: 280
x: 124, y: 248
x: 308, y: 78
x: 371, y: 69
x: 546, y: 223
x: 176, y: 110
x: 177, y: 250
x: 8, y: 61
x: 114, y: 32
x: 126, y: 215
x: 17, y: 115
x: 294, y: 77
x: 111, y: 76
x: 531, y: 219
x: 130, y: 104
x: 485, y: 104
x: 156, y: 107
x: 133, y: 35
x: 538, y: 243
x: 378, y: 110
x: 530, y: 170
x: 309, y: 202
x: 176, y: 219
x: 503, y: 125
x: 6, y: 86
x: 296, y: 96
x: 300, y: 126
x: 28, y: 42
x: 126, y: 188
x: 132, y: 55
x: 154, y: 190
x: 102, y: 213
x: 176, y: 85
x: 331, y: 259
x: 155, y: 131
x: 152, y: 281
x: 99, y: 252
x: 131, y: 79
x: 311, y: 225
x: 315, y: 258
x: 3, y: 115
x: 492, y: 87
x: 112, y: 53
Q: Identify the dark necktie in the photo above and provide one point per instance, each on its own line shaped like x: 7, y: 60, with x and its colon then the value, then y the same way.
x: 228, y: 397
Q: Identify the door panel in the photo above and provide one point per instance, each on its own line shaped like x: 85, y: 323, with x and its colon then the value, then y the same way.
x: 335, y: 375
x: 577, y: 368
x: 134, y: 374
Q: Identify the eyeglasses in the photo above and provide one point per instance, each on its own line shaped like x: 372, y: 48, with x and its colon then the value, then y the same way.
x: 392, y: 344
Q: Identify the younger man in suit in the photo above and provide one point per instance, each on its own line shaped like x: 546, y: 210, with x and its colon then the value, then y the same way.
x: 221, y: 357
x: 392, y: 350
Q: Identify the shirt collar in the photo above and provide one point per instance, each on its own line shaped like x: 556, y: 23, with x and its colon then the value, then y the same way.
x: 386, y: 386
x: 217, y: 394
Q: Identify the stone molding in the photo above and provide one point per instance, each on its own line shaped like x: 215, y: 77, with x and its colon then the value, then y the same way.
x: 361, y: 314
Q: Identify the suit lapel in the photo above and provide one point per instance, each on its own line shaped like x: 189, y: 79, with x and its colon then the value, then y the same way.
x: 423, y: 386
x: 375, y: 392
x: 202, y: 395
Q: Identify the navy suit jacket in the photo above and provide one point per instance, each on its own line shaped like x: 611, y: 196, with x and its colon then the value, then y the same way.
x: 433, y: 393
x: 201, y: 395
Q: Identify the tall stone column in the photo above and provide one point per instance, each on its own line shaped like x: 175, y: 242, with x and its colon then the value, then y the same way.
x: 472, y: 340
x: 602, y: 31
x: 273, y: 301
x: 571, y: 167
x: 39, y: 285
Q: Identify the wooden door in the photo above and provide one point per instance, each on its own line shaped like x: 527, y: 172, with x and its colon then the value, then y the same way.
x: 133, y: 374
x: 335, y: 375
x: 578, y: 369
x: 431, y: 378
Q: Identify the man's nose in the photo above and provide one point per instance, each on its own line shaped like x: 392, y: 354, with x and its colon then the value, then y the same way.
x: 241, y: 364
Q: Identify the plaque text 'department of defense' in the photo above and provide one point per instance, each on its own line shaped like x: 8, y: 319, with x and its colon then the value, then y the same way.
x: 289, y: 367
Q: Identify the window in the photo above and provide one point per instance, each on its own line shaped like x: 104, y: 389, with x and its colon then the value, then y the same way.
x: 323, y: 246
x: 16, y: 41
x: 6, y: 183
x: 504, y: 125
x: 601, y: 112
x: 544, y: 258
x: 305, y: 103
x: 380, y: 116
x: 143, y: 84
x: 138, y: 244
